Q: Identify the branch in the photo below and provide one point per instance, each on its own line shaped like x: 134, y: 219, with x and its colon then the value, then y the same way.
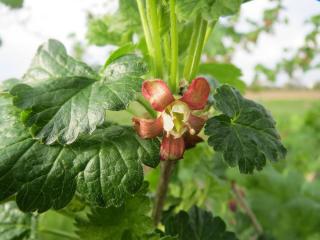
x: 166, y: 171
x: 257, y: 226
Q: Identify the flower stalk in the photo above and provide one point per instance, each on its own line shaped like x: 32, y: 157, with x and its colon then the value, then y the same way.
x: 166, y: 172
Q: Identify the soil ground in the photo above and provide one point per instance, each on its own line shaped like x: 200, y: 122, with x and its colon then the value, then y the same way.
x: 284, y: 95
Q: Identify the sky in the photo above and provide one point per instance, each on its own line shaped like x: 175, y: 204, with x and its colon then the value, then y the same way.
x: 22, y: 31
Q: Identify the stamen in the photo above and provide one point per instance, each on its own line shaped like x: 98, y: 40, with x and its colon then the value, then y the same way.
x: 192, y: 131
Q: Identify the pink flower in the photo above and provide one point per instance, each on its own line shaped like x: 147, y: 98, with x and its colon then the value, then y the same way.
x: 176, y: 118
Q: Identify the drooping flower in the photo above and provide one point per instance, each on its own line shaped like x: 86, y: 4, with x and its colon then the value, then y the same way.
x: 176, y: 120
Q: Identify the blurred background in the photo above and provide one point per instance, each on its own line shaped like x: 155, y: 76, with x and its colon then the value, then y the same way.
x: 271, y: 41
x: 274, y: 43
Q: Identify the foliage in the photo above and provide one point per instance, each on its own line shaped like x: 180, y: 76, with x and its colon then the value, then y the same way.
x: 245, y: 132
x: 291, y: 199
x: 197, y: 224
x: 14, y: 224
x: 224, y: 73
x: 12, y: 3
x: 84, y: 166
x: 130, y: 221
x: 65, y: 90
x: 60, y: 154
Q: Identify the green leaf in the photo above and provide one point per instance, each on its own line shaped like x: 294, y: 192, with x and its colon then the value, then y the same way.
x: 104, y: 167
x: 130, y: 221
x: 224, y: 73
x: 66, y: 98
x: 120, y: 52
x: 14, y: 225
x: 197, y: 224
x: 224, y: 8
x: 210, y: 10
x: 245, y: 132
x: 293, y: 199
x: 53, y: 62
x: 128, y: 67
x: 117, y: 29
x: 8, y: 84
x: 12, y: 3
x: 100, y: 32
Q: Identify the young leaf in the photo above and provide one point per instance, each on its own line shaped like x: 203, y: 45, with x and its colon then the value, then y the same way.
x: 14, y: 225
x: 130, y: 221
x: 197, y: 224
x: 7, y: 84
x: 105, y: 167
x: 120, y: 52
x: 223, y: 8
x: 224, y: 73
x: 117, y: 29
x: 66, y: 98
x: 245, y: 131
x: 210, y: 10
x: 12, y: 3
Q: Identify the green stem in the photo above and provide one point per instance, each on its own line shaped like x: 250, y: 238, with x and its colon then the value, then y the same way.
x: 167, y: 50
x: 146, y: 30
x: 199, y: 49
x: 174, y: 71
x: 59, y: 233
x: 156, y: 39
x: 147, y: 106
x: 192, y: 49
x: 34, y: 227
x: 209, y: 31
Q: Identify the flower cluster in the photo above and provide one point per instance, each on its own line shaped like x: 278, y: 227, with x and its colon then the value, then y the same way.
x: 177, y: 120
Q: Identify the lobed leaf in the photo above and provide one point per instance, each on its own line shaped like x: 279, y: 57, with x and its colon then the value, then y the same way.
x: 197, y: 224
x: 245, y: 132
x: 66, y: 98
x: 52, y: 62
x: 210, y: 10
x: 105, y: 167
x: 224, y: 73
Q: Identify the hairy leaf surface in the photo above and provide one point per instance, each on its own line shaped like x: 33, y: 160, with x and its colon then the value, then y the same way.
x: 197, y: 224
x: 66, y: 98
x: 104, y: 167
x: 245, y: 131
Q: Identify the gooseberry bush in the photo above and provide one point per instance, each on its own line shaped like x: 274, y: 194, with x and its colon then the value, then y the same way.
x: 65, y: 149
